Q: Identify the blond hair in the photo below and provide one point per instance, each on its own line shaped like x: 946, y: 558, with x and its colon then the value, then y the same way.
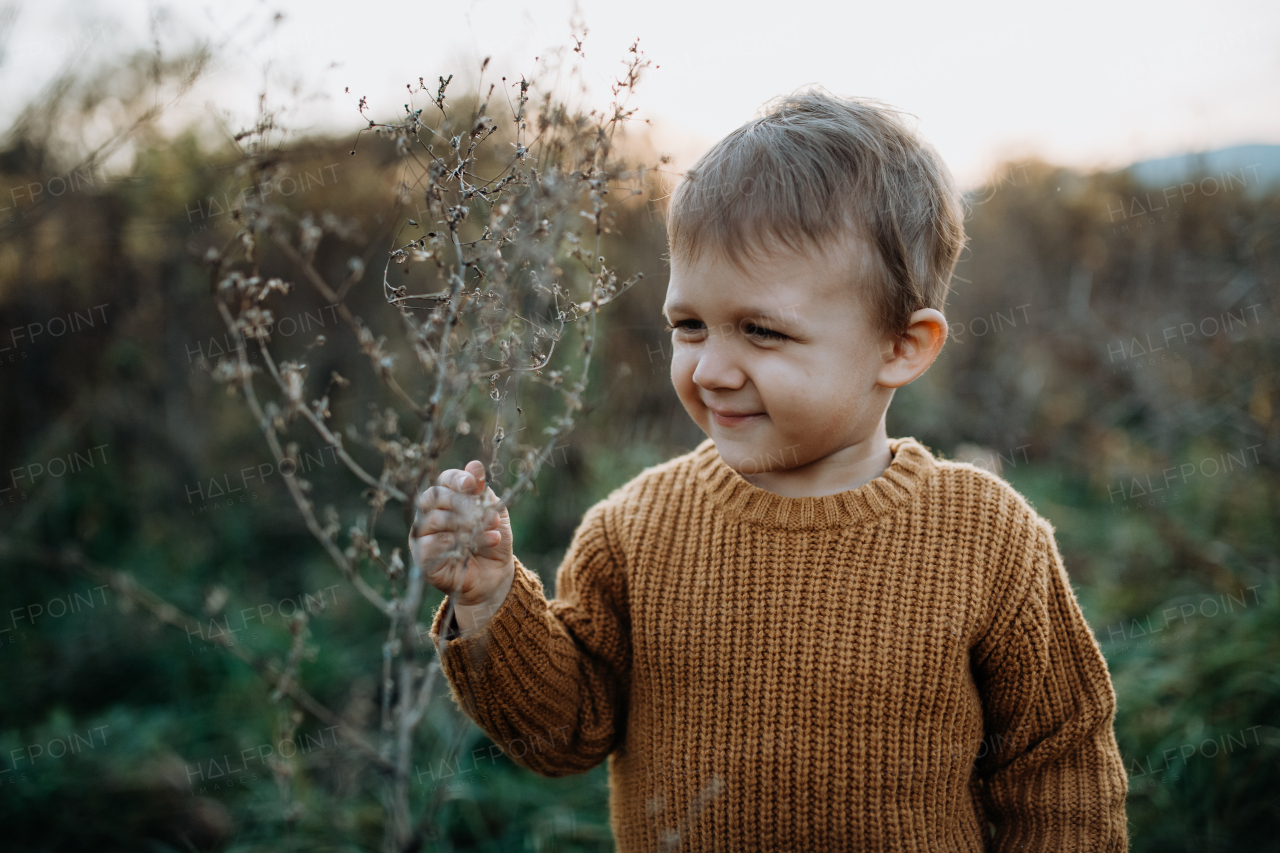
x: 815, y: 170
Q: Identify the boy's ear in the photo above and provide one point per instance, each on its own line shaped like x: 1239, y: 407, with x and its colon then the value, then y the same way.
x: 911, y: 354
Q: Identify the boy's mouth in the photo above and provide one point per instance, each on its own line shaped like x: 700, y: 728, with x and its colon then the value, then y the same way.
x: 729, y: 418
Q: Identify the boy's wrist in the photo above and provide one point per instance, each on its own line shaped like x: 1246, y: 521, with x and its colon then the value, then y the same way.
x: 475, y: 616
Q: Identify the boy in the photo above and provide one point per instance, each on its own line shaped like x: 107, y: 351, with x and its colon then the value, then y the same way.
x: 803, y: 635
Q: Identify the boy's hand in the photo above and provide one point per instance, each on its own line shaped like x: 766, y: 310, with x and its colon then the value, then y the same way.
x: 461, y: 508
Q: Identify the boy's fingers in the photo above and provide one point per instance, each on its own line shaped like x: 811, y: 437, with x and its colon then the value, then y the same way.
x: 446, y: 477
x: 435, y: 544
x: 490, y: 498
x: 465, y: 482
x: 439, y: 520
x: 476, y: 469
x: 455, y: 491
x: 455, y: 479
x: 468, y: 481
x: 442, y: 497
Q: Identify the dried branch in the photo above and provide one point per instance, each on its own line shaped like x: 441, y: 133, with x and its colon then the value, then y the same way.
x: 512, y: 276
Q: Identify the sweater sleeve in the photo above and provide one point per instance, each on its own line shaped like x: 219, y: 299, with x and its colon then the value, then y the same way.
x: 1050, y: 770
x: 548, y: 680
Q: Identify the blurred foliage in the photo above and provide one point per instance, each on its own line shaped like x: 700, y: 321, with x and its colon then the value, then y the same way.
x: 1041, y: 381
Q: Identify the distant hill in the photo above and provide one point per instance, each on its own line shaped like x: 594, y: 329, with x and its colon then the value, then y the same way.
x: 1260, y: 162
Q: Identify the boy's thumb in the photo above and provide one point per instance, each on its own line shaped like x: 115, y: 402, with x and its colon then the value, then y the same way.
x: 476, y: 469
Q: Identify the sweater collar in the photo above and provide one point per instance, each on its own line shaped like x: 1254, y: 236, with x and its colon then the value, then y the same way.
x: 741, y: 501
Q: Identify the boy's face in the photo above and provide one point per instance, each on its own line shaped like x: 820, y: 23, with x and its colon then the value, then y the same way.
x: 779, y: 365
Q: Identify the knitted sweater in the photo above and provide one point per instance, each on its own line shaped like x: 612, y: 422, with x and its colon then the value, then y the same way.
x: 902, y: 666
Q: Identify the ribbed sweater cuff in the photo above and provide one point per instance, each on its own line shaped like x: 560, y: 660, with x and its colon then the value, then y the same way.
x: 466, y: 651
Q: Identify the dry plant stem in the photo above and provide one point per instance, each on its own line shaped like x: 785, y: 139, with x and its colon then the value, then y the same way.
x: 304, y: 506
x: 387, y: 655
x: 525, y: 479
x: 391, y: 798
x: 456, y: 283
x: 296, y: 651
x: 283, y: 769
x: 331, y: 438
x: 410, y: 712
x: 407, y: 719
x: 404, y: 722
x: 411, y: 703
x: 124, y: 585
x: 418, y: 578
x: 535, y: 209
x: 319, y: 283
x: 404, y: 749
x: 419, y: 835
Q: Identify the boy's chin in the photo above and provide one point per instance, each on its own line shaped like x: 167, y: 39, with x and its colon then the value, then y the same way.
x: 753, y: 457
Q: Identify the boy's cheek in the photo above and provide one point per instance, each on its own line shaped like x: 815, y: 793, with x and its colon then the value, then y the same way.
x: 683, y: 364
x: 682, y: 368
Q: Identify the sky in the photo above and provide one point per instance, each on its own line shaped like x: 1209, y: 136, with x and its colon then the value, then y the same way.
x: 1091, y: 85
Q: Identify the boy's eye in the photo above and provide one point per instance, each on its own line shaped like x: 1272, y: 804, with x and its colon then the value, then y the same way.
x: 685, y: 325
x: 755, y: 331
x: 751, y: 330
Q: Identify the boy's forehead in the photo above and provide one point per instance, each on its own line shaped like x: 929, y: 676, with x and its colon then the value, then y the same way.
x: 772, y: 284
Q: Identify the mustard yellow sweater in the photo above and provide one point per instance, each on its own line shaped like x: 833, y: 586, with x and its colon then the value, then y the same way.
x: 902, y: 666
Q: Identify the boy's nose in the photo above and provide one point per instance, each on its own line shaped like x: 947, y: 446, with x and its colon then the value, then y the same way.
x: 717, y: 369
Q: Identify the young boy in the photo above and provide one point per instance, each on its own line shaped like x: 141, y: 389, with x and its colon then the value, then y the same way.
x: 803, y: 635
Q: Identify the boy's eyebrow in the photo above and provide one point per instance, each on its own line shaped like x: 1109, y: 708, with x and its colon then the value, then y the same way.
x: 783, y: 316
